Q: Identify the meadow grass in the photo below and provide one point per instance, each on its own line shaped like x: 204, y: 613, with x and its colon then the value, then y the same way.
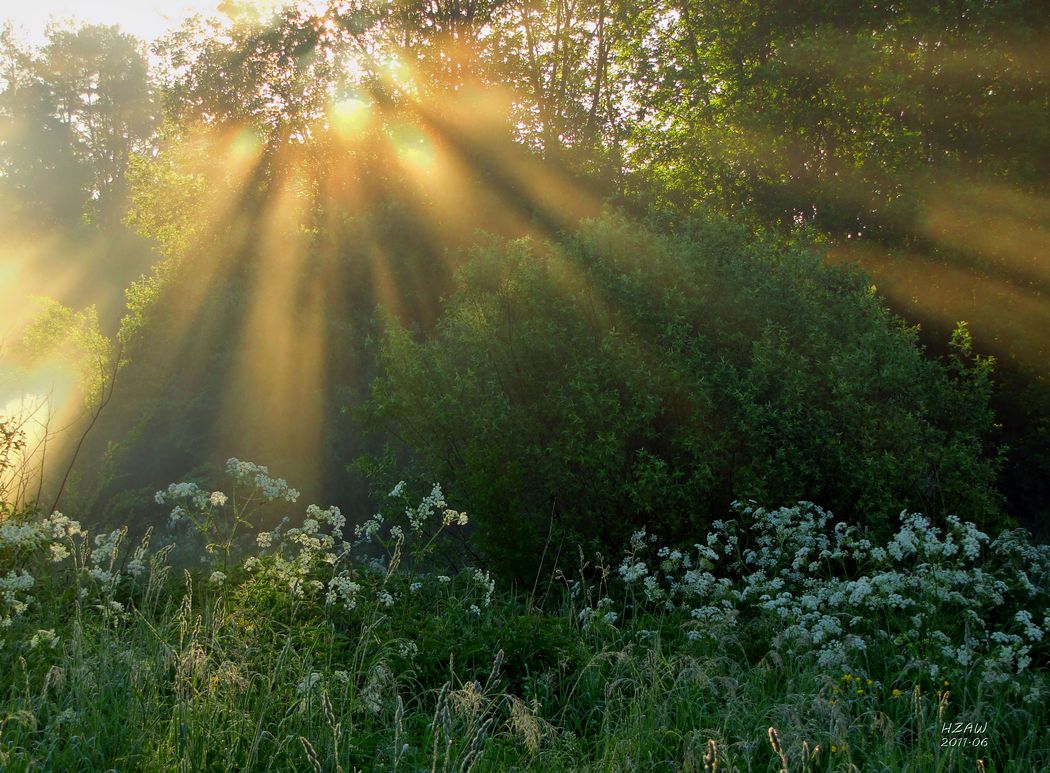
x: 286, y: 658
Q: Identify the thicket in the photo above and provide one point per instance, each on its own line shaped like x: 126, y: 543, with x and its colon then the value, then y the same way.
x: 579, y: 388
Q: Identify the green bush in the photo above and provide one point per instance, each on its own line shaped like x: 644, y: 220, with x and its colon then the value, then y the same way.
x: 616, y: 378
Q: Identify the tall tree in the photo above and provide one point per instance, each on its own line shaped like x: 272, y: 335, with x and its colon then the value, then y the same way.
x: 73, y: 114
x: 833, y: 113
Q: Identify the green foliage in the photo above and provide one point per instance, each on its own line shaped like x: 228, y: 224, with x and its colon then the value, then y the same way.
x: 74, y: 112
x: 59, y: 335
x: 532, y: 643
x: 854, y: 118
x: 617, y: 378
x: 307, y: 654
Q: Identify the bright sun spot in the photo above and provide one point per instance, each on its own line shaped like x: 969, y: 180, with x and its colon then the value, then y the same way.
x: 145, y: 19
x: 349, y: 115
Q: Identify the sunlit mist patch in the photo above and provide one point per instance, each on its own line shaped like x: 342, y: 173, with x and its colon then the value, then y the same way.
x: 350, y: 116
x: 412, y: 147
x: 1011, y: 319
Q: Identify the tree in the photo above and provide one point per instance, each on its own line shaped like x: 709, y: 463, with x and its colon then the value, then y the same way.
x: 100, y: 85
x: 41, y: 171
x: 828, y: 113
x: 74, y: 113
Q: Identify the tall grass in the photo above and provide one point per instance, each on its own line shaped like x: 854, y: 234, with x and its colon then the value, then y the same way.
x: 319, y: 653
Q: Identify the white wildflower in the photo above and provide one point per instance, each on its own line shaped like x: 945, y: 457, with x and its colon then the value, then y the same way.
x: 343, y: 590
x: 631, y: 571
x: 44, y: 638
x: 58, y: 552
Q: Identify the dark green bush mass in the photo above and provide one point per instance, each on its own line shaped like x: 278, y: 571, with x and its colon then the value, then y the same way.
x: 615, y: 378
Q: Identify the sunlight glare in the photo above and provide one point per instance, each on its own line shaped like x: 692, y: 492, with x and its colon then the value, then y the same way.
x: 245, y: 147
x: 349, y: 116
x: 413, y: 148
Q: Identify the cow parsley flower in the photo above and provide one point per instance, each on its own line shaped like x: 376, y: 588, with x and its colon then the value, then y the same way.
x: 58, y: 552
x: 631, y: 571
x: 44, y: 638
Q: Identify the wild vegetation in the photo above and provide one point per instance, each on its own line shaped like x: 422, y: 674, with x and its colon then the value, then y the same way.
x: 567, y: 384
x: 783, y: 638
x: 672, y: 375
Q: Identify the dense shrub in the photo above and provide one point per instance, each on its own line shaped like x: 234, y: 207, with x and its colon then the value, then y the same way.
x: 616, y: 378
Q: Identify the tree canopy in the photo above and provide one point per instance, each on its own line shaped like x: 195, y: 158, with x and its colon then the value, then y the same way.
x: 280, y: 187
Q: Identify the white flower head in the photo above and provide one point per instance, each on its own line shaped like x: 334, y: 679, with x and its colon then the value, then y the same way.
x: 58, y: 551
x: 44, y: 637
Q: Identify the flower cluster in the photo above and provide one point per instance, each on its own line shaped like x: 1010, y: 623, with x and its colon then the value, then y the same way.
x: 190, y: 502
x: 942, y: 599
x: 53, y: 538
x: 56, y: 549
x: 31, y: 534
x: 484, y: 582
x: 343, y: 590
x: 418, y: 516
x: 313, y: 559
x: 258, y: 476
x: 44, y: 637
x: 220, y: 519
x: 182, y: 492
x: 599, y: 612
x: 103, y: 558
x: 14, y: 592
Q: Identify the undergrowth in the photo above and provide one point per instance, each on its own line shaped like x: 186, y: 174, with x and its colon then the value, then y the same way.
x: 782, y: 641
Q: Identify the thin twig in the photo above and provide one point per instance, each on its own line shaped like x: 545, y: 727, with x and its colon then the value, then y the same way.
x: 543, y: 556
x: 98, y: 412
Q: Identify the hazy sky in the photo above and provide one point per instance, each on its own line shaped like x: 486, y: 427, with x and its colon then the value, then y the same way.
x: 146, y: 19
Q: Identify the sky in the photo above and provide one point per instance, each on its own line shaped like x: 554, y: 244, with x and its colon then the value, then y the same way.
x: 146, y: 19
